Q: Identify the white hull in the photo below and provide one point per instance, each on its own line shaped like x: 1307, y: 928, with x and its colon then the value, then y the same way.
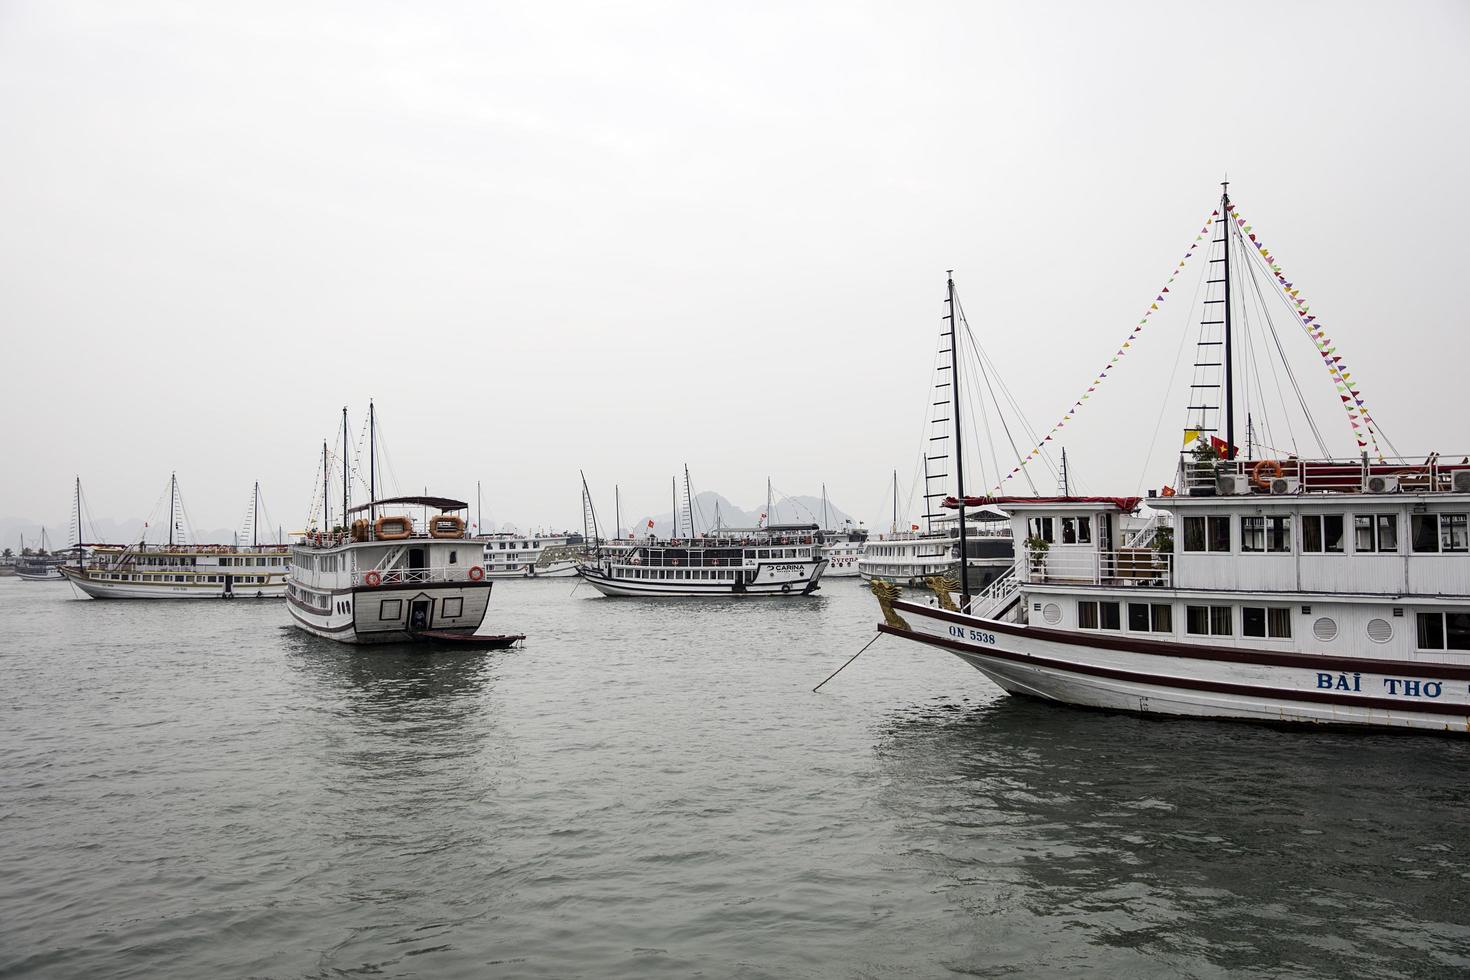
x: 383, y: 614
x: 556, y: 569
x: 48, y: 577
x: 786, y: 579
x: 99, y: 589
x: 1170, y: 679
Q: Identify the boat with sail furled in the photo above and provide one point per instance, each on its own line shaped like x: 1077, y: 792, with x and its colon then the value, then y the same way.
x: 1284, y: 586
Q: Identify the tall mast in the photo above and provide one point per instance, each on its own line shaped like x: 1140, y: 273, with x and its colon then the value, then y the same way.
x: 479, y: 509
x: 1066, y: 488
x: 895, y: 502
x: 768, y: 502
x: 373, y: 463
x: 173, y: 482
x: 255, y: 517
x: 689, y: 500
x: 326, y: 490
x: 346, y: 471
x: 1229, y: 366
x: 824, y: 507
x: 79, y: 522
x: 674, y: 499
x: 959, y: 454
x: 618, y: 510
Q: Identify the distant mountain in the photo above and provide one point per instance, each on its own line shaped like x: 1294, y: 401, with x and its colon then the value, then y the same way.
x: 710, y: 507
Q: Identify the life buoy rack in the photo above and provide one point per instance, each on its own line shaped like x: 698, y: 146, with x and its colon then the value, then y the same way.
x: 372, y: 579
x: 392, y: 528
x: 446, y: 526
x: 1266, y: 464
x: 476, y: 573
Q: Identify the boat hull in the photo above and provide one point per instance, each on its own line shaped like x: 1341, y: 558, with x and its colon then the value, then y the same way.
x: 1153, y: 677
x: 386, y: 614
x: 101, y: 589
x: 785, y: 580
x: 559, y: 569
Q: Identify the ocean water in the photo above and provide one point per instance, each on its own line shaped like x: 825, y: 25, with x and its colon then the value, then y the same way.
x: 650, y: 788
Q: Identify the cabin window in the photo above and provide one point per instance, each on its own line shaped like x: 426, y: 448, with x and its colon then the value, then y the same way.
x: 1438, y: 532
x: 1207, y: 620
x: 1093, y: 615
x: 1376, y: 532
x: 454, y: 557
x: 1266, y: 621
x: 390, y: 609
x: 1040, y: 527
x: 1322, y: 533
x: 1150, y: 617
x: 1265, y: 534
x: 1207, y: 532
x: 452, y: 608
x: 1076, y: 530
x: 1444, y: 631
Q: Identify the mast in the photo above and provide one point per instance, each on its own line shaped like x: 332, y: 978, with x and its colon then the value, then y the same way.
x: 689, y: 500
x: 894, y: 528
x: 618, y: 510
x: 768, y: 502
x: 255, y: 517
x: 674, y: 499
x: 326, y: 489
x: 1066, y: 488
x: 1229, y: 366
x: 824, y: 507
x: 79, y: 522
x: 346, y: 471
x: 479, y: 509
x: 173, y: 482
x: 373, y: 464
x: 959, y: 453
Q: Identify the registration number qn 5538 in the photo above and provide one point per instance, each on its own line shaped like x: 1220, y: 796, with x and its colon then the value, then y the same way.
x: 974, y: 636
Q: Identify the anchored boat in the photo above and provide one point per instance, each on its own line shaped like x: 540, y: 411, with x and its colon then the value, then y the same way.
x: 1286, y: 588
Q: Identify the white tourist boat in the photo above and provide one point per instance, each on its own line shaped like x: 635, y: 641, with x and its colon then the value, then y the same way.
x: 175, y: 570
x: 397, y: 570
x: 1292, y: 590
x: 511, y: 555
x: 911, y: 557
x: 843, y: 550
x: 750, y: 562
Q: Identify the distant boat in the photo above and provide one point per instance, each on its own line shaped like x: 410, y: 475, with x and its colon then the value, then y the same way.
x: 175, y: 570
x: 39, y: 565
x: 510, y: 555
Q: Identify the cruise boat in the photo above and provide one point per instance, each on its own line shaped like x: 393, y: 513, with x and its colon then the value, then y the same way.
x: 843, y: 550
x: 383, y: 575
x: 1292, y: 590
x: 510, y: 555
x: 176, y: 570
x: 912, y: 557
x: 735, y: 562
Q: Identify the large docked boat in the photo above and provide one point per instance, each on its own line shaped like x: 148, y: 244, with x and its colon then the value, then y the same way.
x: 843, y: 550
x: 177, y: 570
x: 911, y: 557
x: 1329, y: 590
x: 735, y: 562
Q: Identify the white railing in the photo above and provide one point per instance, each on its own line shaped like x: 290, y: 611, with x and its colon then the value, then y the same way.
x: 388, y: 577
x: 994, y: 596
x: 1430, y: 474
x: 1125, y: 566
x: 1144, y: 536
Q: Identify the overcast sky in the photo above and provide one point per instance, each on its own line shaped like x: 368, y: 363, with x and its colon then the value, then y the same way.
x: 622, y: 237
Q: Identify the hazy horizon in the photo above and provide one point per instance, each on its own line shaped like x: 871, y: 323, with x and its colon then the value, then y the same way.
x: 622, y: 239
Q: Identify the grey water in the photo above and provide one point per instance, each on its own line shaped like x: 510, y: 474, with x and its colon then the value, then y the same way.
x: 650, y: 788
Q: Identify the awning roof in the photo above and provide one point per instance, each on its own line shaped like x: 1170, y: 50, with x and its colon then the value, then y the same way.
x: 443, y: 503
x: 1126, y: 504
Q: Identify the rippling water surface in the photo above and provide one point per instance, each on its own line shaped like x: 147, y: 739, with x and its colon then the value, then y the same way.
x: 651, y: 789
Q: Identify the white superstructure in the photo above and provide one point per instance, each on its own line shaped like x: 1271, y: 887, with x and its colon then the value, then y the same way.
x: 843, y: 550
x: 510, y: 555
x: 144, y: 571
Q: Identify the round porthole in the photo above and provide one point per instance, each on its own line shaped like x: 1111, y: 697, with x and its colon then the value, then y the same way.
x: 1380, y: 630
x: 1052, y: 613
x: 1325, y: 629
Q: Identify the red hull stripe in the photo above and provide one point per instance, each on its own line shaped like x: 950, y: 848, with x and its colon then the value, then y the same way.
x: 1188, y: 683
x: 1163, y: 648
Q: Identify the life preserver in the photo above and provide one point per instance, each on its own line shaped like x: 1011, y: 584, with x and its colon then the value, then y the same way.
x: 402, y: 527
x: 446, y: 526
x: 1262, y: 466
x: 372, y: 579
x: 786, y: 587
x: 476, y: 573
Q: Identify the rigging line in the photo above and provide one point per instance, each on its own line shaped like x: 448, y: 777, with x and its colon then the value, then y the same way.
x: 1280, y: 351
x: 1251, y: 268
x: 1167, y: 396
x: 1031, y: 433
x: 1006, y: 428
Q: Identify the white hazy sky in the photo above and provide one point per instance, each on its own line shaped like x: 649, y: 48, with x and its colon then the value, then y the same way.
x: 620, y: 237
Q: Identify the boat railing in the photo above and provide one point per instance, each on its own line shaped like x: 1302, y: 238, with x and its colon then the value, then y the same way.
x: 390, y: 577
x: 1124, y: 566
x: 995, y: 596
x: 1227, y: 477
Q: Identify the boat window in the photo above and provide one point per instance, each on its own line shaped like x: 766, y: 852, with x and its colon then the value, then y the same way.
x: 1376, y: 532
x: 1207, y: 620
x: 1145, y: 617
x: 1322, y: 533
x: 452, y: 608
x: 1438, y: 532
x: 1266, y: 621
x: 1092, y: 615
x: 1207, y: 532
x: 390, y: 609
x: 1076, y: 530
x: 1040, y: 527
x: 1444, y: 631
x: 1268, y: 534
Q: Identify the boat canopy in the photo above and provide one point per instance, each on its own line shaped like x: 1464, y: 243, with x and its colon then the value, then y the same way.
x: 1126, y: 504
x: 442, y: 503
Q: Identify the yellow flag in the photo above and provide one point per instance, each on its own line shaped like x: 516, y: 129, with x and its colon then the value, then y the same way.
x: 1191, y: 435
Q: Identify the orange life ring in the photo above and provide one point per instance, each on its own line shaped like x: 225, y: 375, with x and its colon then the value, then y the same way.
x: 1259, y: 468
x: 476, y: 573
x: 372, y: 579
